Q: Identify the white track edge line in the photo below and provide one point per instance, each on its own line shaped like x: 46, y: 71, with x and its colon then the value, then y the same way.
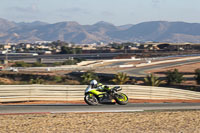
x: 101, y: 111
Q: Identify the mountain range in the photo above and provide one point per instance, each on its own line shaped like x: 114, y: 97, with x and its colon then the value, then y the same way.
x: 70, y: 31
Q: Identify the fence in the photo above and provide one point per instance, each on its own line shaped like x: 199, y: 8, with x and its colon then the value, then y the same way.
x: 16, y: 93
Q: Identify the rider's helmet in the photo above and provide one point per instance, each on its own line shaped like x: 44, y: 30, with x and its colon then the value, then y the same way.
x: 93, y: 83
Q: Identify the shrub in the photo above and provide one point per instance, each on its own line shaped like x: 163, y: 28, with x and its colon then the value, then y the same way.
x: 21, y: 64
x: 57, y: 78
x: 174, y: 77
x: 70, y: 62
x: 36, y: 81
x: 37, y: 64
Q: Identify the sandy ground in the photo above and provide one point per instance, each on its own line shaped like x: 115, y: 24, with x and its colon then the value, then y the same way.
x: 135, y: 122
x: 182, y: 68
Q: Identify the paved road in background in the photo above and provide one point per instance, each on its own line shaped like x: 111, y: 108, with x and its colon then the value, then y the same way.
x: 141, y: 70
x: 64, y: 108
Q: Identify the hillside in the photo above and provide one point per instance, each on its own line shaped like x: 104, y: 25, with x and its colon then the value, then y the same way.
x: 159, y: 31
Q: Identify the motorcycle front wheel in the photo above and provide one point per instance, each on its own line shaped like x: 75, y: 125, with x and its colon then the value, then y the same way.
x: 91, y: 99
x: 121, y: 98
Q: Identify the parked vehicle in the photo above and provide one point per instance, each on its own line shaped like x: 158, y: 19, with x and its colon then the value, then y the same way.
x: 111, y: 96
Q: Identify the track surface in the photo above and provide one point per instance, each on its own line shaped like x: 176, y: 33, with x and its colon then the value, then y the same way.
x: 64, y: 108
x: 141, y: 70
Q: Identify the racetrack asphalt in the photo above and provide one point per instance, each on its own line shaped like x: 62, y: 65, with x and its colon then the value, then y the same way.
x: 141, y: 70
x: 65, y: 108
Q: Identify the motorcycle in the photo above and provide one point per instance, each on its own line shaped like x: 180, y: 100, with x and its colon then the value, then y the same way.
x: 108, y: 96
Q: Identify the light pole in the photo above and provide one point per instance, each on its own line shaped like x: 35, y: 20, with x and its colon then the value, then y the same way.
x: 6, y: 59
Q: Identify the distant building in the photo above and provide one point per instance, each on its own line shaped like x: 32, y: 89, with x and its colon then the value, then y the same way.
x: 88, y: 48
x: 47, y: 52
x: 43, y: 42
x: 7, y: 46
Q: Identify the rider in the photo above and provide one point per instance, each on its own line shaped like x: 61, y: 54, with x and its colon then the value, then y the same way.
x: 98, y: 86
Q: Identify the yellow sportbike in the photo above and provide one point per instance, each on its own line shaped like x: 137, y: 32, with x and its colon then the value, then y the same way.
x: 108, y: 96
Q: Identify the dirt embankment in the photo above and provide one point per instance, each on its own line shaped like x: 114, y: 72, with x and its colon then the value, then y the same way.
x: 136, y: 122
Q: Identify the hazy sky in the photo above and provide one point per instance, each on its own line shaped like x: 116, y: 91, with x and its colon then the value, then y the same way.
x: 118, y: 12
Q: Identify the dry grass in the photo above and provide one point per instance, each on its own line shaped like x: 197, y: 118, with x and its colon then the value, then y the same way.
x: 144, y: 122
x: 6, y: 80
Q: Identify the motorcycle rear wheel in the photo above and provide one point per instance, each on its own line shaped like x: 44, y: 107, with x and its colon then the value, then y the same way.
x: 121, y: 98
x: 91, y: 99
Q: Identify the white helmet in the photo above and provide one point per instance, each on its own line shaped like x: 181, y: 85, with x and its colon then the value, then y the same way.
x: 93, y: 83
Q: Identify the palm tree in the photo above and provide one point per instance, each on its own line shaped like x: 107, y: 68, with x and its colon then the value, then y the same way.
x: 88, y: 76
x: 120, y: 78
x: 152, y: 80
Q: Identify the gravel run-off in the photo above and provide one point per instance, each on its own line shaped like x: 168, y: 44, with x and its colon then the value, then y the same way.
x: 134, y: 122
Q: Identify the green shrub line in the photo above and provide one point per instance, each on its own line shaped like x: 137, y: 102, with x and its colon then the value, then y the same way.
x: 37, y: 64
x: 20, y: 78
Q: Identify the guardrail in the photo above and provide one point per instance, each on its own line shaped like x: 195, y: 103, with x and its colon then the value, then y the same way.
x: 167, y: 61
x: 17, y: 93
x: 63, y: 68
